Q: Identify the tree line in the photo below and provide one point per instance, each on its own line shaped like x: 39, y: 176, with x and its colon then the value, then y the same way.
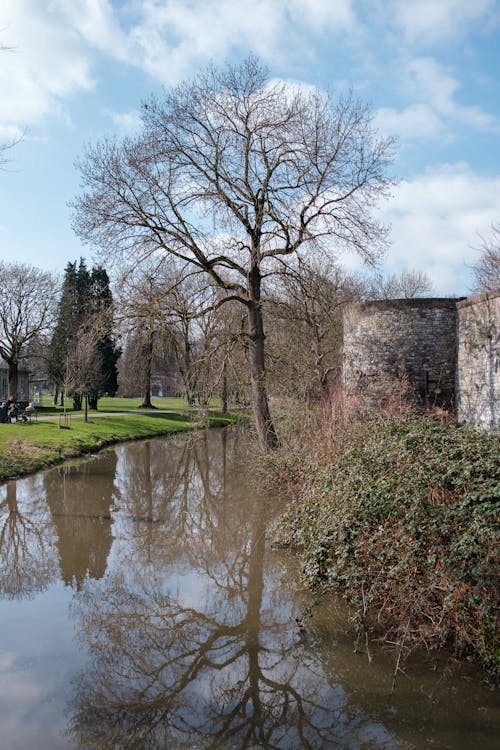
x: 158, y: 324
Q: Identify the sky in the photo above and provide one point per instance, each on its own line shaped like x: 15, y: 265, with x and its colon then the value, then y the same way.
x: 73, y: 71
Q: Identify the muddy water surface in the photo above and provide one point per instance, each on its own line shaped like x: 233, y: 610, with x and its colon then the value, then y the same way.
x: 142, y: 607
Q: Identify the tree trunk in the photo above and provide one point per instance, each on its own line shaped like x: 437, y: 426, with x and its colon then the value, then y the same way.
x: 56, y: 395
x: 86, y: 408
x: 266, y: 432
x: 224, y: 388
x: 13, y: 378
x: 187, y: 368
x: 148, y: 365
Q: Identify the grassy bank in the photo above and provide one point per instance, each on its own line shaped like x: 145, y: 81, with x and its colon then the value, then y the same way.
x: 400, y: 515
x: 26, y: 448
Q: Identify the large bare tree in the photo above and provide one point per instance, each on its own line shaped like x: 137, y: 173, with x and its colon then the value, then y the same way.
x: 231, y: 172
x: 26, y: 311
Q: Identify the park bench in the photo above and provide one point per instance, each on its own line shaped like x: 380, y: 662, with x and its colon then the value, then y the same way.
x: 20, y: 414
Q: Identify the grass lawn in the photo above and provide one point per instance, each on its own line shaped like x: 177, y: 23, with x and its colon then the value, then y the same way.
x: 114, y: 404
x: 29, y: 447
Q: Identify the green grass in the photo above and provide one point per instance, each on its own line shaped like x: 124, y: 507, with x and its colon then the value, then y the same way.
x: 29, y: 447
x: 114, y: 404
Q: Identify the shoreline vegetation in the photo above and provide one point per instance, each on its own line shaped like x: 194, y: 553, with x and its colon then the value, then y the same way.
x: 26, y: 448
x: 397, y: 512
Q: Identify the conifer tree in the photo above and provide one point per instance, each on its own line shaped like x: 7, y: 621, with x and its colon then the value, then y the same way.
x: 84, y: 296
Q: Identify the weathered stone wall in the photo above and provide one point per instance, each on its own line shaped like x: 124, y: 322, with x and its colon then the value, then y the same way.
x: 404, y: 338
x: 478, y: 360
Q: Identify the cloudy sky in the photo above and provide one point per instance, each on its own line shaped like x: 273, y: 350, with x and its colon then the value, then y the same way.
x: 74, y: 70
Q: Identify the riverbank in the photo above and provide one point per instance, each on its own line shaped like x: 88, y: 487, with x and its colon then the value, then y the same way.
x: 29, y: 447
x: 399, y: 514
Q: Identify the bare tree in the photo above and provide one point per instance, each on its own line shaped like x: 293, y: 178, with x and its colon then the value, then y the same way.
x: 402, y: 285
x: 306, y: 325
x: 230, y: 173
x: 142, y: 295
x: 487, y: 269
x: 84, y: 375
x: 26, y: 310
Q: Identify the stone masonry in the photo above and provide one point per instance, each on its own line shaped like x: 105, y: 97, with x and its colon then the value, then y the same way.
x: 478, y: 362
x: 446, y: 349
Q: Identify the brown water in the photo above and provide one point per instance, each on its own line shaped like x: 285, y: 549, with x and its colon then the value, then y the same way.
x: 142, y: 607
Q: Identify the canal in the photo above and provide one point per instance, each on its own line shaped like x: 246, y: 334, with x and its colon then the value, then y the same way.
x: 142, y: 606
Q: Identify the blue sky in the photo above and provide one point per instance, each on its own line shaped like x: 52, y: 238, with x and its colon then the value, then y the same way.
x: 430, y: 69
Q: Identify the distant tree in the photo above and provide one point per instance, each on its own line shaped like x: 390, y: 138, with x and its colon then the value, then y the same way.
x: 101, y: 306
x: 230, y: 173
x: 487, y: 269
x: 84, y: 296
x: 71, y: 311
x: 142, y: 295
x: 305, y: 325
x: 86, y: 374
x: 402, y: 285
x: 26, y: 311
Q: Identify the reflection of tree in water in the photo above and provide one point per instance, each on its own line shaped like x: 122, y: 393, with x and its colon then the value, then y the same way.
x: 202, y: 653
x: 28, y: 563
x: 160, y: 484
x: 80, y: 497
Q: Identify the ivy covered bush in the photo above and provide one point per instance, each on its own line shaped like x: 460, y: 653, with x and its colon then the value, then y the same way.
x: 401, y: 516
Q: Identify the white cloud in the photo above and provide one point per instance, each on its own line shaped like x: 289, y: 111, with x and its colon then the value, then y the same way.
x: 45, y: 65
x: 431, y: 21
x: 56, y: 42
x: 435, y: 219
x: 98, y: 24
x: 171, y: 37
x: 127, y: 123
x: 415, y: 121
x: 10, y: 133
x: 434, y: 110
x: 323, y: 16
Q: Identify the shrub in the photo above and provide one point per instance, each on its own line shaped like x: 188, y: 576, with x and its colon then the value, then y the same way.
x: 400, y: 515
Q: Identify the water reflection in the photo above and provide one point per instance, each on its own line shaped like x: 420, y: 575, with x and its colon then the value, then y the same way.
x: 185, y: 621
x: 28, y: 562
x: 81, y: 498
x: 200, y: 648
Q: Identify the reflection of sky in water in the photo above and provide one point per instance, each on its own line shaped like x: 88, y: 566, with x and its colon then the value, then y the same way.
x: 37, y: 659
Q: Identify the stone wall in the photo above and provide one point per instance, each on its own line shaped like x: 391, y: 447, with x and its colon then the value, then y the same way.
x: 478, y: 360
x: 413, y: 339
x: 447, y: 349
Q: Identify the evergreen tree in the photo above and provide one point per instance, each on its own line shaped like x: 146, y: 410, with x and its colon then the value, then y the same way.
x: 108, y: 353
x: 73, y: 306
x: 84, y: 296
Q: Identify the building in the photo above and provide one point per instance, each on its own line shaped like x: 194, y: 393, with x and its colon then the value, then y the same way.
x: 448, y: 350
